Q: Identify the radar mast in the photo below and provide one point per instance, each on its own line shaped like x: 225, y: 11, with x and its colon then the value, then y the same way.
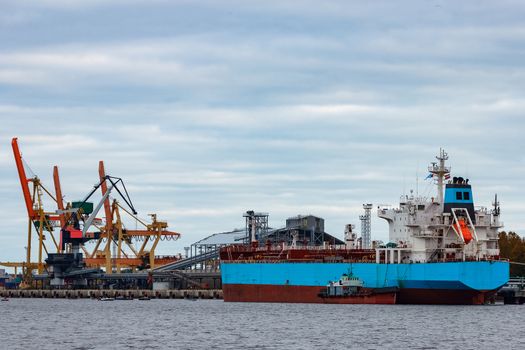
x: 439, y: 171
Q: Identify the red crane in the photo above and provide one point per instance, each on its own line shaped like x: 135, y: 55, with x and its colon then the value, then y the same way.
x: 38, y: 218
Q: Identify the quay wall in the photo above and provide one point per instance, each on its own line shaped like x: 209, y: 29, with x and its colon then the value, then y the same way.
x: 95, y: 293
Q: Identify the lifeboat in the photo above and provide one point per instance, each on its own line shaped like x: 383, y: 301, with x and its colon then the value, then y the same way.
x: 462, y: 229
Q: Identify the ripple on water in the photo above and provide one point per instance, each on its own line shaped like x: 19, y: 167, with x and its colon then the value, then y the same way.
x: 180, y: 324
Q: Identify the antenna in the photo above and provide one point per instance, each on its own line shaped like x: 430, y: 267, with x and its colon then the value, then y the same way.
x: 497, y: 209
x: 417, y: 180
x: 440, y: 170
x: 404, y: 184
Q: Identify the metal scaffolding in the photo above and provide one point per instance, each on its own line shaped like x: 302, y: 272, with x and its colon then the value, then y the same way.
x: 366, y: 226
x: 256, y: 225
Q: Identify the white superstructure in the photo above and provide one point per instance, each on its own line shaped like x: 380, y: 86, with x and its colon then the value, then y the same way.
x: 443, y: 228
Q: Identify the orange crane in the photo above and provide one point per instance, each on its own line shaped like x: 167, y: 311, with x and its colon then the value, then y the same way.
x: 126, y: 255
x: 59, y: 198
x: 112, y: 232
x: 38, y: 218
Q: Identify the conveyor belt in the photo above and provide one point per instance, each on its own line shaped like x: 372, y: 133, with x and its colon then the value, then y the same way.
x: 184, y: 263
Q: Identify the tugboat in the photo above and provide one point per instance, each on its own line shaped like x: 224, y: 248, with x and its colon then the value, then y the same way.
x: 349, y: 290
x: 348, y: 285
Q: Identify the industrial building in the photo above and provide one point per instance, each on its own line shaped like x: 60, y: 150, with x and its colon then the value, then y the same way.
x: 78, y: 248
x: 300, y: 230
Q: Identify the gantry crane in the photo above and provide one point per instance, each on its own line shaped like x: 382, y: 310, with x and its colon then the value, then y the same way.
x: 39, y: 220
x: 74, y: 234
x: 111, y: 234
x: 114, y: 234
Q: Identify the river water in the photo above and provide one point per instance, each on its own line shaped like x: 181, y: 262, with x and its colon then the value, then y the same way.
x: 213, y: 324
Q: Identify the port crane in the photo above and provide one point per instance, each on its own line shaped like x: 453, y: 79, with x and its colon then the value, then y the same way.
x: 40, y: 222
x: 126, y: 255
x: 74, y: 233
x: 110, y: 235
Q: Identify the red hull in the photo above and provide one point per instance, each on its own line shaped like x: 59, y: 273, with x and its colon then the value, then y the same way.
x: 296, y: 294
x: 306, y: 294
x: 445, y: 296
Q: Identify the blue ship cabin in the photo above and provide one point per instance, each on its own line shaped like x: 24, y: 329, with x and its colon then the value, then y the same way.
x: 458, y: 194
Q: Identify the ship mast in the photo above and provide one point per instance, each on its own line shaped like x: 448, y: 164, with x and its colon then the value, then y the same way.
x: 439, y: 171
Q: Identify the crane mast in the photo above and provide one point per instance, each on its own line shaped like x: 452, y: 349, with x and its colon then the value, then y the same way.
x: 23, y: 178
x: 74, y: 219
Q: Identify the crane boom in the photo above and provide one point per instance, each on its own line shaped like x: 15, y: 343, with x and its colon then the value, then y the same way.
x: 23, y: 179
x: 90, y: 219
x: 104, y: 188
x: 58, y: 193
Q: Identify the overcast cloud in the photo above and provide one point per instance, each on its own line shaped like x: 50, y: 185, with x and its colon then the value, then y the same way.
x: 298, y: 107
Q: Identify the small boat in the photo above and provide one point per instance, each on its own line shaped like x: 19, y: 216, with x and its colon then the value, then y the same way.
x: 145, y: 298
x: 106, y: 299
x: 462, y: 229
x: 349, y: 290
x: 5, y: 299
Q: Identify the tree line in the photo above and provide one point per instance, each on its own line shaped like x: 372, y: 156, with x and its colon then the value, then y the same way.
x: 512, y: 247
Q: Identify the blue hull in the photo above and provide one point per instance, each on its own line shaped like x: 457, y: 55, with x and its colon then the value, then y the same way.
x: 469, y: 276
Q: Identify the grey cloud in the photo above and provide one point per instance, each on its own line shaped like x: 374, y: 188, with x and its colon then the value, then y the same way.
x: 212, y: 110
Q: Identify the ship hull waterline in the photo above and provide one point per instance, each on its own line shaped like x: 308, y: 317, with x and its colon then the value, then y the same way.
x: 297, y: 294
x: 310, y: 294
x: 455, y: 283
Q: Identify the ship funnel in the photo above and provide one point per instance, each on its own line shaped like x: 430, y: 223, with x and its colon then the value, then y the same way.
x: 458, y: 194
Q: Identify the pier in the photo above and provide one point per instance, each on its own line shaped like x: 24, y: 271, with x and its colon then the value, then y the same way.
x: 514, y: 291
x: 129, y: 294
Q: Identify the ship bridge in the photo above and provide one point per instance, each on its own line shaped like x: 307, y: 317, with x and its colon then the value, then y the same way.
x: 442, y: 228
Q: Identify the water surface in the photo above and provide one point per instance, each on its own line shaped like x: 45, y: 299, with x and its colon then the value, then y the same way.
x: 213, y: 324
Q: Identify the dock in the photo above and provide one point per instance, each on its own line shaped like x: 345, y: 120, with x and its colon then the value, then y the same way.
x: 96, y: 293
x: 514, y: 291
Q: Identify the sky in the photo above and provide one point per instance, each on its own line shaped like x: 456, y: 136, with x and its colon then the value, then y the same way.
x: 208, y: 109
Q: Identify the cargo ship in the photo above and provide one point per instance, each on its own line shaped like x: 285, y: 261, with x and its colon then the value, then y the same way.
x: 441, y: 250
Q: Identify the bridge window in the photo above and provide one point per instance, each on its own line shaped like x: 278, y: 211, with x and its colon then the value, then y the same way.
x: 420, y: 207
x: 466, y: 196
x: 458, y: 196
